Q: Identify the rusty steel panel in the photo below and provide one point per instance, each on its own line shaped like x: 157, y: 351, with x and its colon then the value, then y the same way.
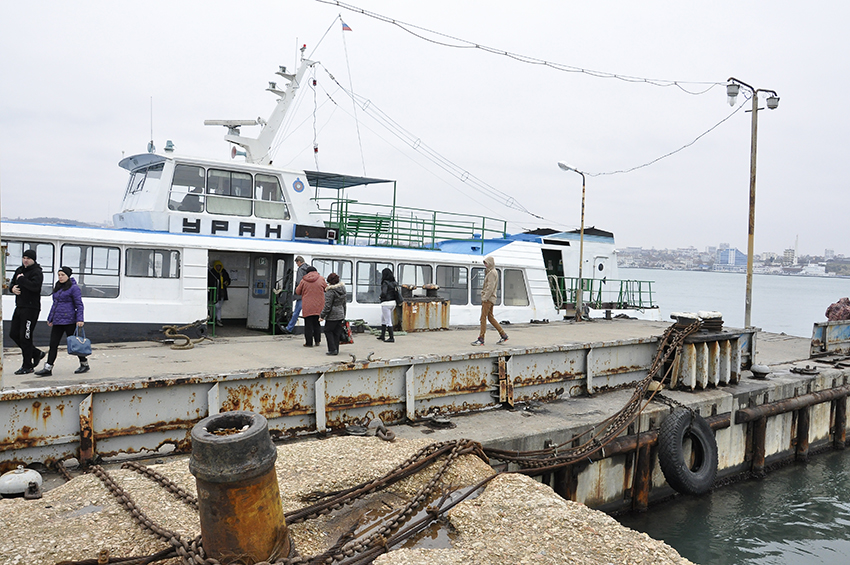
x: 422, y: 316
x: 364, y: 387
x: 36, y: 422
x: 289, y: 395
x: 136, y: 412
x: 551, y: 367
x: 613, y: 366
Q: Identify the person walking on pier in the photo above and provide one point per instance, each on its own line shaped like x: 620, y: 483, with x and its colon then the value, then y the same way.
x: 489, y: 291
x: 389, y: 290
x: 218, y: 280
x: 26, y: 286
x: 66, y: 315
x: 334, y: 312
x: 296, y: 308
x: 311, y: 289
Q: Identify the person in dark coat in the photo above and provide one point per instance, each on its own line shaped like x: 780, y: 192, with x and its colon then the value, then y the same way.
x: 389, y: 289
x: 333, y: 313
x: 66, y: 315
x: 296, y: 308
x: 26, y: 286
x: 312, y: 292
x: 218, y: 280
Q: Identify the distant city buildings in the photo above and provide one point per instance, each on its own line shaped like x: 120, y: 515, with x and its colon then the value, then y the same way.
x: 723, y: 257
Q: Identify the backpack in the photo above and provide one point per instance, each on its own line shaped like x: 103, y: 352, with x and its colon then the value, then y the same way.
x: 345, y: 330
x: 399, y: 300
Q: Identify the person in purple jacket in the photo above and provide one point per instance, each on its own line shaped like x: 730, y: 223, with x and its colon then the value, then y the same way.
x: 66, y: 315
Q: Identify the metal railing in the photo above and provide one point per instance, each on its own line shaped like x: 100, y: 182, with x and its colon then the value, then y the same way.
x: 602, y: 293
x: 400, y: 226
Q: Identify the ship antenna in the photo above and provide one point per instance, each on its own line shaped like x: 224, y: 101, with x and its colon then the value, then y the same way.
x: 151, y: 148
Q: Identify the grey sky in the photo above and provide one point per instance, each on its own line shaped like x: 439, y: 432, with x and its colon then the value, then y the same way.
x: 76, y: 82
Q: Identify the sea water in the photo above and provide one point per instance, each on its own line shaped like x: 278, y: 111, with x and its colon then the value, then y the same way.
x: 780, y: 304
x: 797, y: 515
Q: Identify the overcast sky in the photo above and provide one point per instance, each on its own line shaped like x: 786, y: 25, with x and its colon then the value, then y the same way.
x: 78, y: 81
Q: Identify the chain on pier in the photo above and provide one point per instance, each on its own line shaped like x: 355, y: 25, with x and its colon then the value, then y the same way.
x: 347, y: 551
x: 669, y: 346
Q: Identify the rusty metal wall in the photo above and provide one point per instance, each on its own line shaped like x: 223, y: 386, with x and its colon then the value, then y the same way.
x: 156, y: 416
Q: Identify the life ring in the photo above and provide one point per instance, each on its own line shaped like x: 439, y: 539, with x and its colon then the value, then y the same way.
x: 697, y: 474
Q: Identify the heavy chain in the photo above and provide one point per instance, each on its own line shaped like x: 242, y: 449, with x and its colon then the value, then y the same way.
x: 165, y: 482
x: 191, y: 552
x: 671, y: 342
x: 188, y: 343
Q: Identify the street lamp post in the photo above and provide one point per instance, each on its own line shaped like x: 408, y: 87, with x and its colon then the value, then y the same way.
x: 565, y: 167
x: 732, y: 88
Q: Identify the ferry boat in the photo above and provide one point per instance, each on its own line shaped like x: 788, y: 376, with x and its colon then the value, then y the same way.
x: 180, y: 214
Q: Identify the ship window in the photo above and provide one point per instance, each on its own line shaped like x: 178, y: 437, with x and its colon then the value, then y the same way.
x: 270, y: 202
x: 138, y: 178
x: 44, y: 254
x: 342, y: 268
x: 515, y: 292
x: 414, y: 275
x: 369, y: 281
x: 453, y: 283
x: 95, y: 268
x: 187, y: 189
x: 153, y: 263
x: 228, y: 193
x: 478, y: 284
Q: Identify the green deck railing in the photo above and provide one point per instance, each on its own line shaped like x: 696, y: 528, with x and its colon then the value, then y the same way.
x: 401, y: 226
x: 602, y: 293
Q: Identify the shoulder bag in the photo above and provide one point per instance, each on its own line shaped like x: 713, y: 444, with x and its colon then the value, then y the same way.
x: 79, y: 344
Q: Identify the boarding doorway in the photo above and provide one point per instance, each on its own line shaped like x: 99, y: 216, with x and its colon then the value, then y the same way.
x: 270, y: 293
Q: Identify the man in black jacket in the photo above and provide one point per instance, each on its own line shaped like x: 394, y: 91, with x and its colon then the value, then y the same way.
x: 26, y: 286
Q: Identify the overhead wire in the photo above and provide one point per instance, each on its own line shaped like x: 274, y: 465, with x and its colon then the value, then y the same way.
x: 415, y: 143
x: 460, y: 43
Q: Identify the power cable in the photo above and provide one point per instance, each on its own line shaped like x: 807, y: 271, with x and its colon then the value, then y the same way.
x: 466, y: 44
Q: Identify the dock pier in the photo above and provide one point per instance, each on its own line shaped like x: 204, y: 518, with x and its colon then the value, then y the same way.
x: 548, y: 384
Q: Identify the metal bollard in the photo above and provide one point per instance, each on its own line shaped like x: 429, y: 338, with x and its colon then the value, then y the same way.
x: 238, y: 496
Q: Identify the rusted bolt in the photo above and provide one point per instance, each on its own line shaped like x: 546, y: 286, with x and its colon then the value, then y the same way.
x: 102, y: 556
x: 238, y: 496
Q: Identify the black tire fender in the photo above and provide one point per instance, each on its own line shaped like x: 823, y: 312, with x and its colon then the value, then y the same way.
x: 696, y: 476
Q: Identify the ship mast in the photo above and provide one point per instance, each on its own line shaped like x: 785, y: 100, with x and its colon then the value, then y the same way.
x: 258, y: 150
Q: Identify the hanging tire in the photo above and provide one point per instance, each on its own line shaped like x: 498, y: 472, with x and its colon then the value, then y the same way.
x: 697, y: 474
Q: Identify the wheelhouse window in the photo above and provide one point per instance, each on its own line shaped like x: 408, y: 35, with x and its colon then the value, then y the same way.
x: 269, y: 198
x: 515, y: 291
x: 44, y: 254
x: 229, y: 192
x: 478, y: 274
x: 141, y: 177
x: 153, y: 263
x: 187, y: 189
x: 368, y: 288
x: 453, y: 283
x: 342, y: 268
x: 414, y: 274
x: 95, y: 268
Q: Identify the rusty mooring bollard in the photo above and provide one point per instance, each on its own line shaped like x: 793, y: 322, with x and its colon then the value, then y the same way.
x: 238, y: 497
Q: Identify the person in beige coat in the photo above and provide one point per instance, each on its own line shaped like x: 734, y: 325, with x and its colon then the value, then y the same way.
x: 488, y: 297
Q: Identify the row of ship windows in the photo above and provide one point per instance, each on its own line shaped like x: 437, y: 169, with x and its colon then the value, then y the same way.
x: 218, y: 191
x: 461, y: 285
x: 97, y: 268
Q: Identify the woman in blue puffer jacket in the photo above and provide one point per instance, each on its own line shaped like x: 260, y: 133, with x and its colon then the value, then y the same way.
x: 66, y: 315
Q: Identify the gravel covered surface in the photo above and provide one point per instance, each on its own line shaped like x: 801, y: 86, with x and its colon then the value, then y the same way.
x: 516, y: 520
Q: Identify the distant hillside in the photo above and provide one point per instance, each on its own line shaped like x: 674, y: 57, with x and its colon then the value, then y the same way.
x: 58, y: 222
